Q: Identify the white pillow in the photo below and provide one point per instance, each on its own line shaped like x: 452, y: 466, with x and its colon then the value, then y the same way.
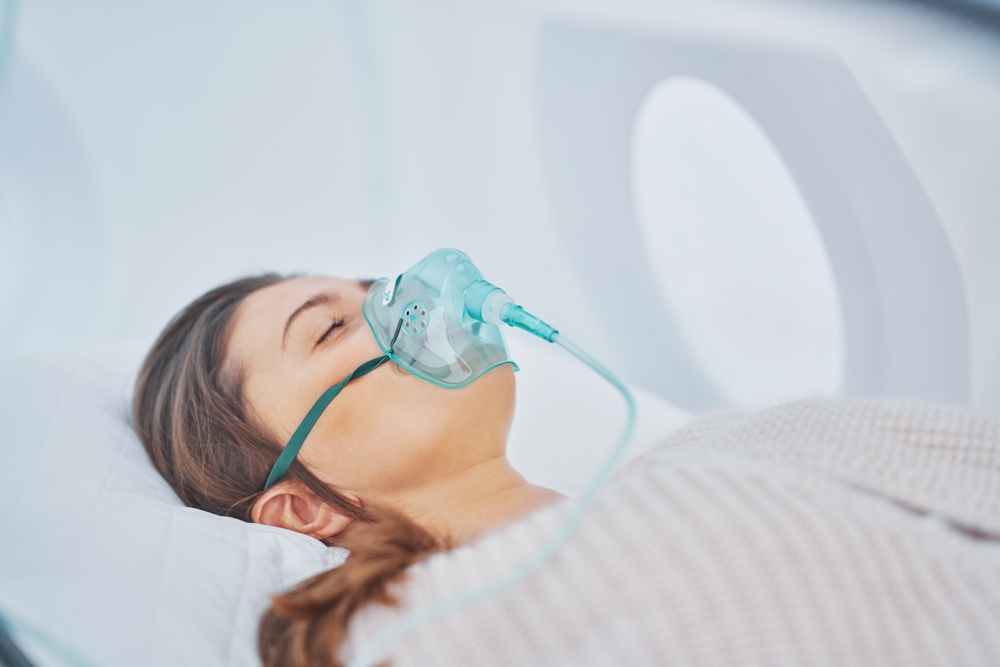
x: 568, y: 417
x: 98, y: 553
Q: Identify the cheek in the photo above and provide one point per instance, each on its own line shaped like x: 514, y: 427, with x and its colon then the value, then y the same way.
x: 304, y: 386
x: 364, y: 442
x: 391, y: 430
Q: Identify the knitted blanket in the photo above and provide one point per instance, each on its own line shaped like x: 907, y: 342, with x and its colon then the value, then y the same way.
x: 814, y: 533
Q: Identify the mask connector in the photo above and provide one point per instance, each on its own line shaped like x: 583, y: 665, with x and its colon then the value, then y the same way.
x: 486, y: 302
x: 518, y: 317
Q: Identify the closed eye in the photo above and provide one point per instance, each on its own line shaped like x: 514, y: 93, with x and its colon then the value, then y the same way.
x: 337, y: 321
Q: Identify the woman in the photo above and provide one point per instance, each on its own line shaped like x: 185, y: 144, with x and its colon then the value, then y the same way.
x: 812, y: 533
x: 395, y: 468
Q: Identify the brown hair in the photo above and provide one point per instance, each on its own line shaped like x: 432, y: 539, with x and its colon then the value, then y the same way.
x: 190, y: 415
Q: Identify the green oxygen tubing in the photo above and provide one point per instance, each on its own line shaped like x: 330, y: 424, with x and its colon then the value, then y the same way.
x: 487, y: 303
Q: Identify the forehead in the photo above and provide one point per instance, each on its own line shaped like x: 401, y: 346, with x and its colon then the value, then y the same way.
x: 260, y: 320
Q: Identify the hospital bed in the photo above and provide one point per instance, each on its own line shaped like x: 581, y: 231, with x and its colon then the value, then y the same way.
x: 148, y: 154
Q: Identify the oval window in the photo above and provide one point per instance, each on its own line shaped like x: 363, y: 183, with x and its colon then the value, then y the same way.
x: 733, y: 247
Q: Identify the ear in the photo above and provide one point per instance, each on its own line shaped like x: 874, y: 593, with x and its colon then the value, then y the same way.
x: 290, y: 504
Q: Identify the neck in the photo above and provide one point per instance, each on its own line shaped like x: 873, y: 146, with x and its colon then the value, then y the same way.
x: 468, y: 503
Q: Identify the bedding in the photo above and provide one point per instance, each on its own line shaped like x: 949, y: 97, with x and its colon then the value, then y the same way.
x: 814, y: 533
x: 98, y: 553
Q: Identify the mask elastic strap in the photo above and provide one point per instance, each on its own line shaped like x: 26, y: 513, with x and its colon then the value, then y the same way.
x: 291, y: 450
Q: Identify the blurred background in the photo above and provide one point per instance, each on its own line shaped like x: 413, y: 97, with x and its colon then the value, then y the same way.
x: 733, y: 203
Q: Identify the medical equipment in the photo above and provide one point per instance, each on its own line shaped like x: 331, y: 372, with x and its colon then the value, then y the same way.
x: 438, y: 306
x: 449, y: 315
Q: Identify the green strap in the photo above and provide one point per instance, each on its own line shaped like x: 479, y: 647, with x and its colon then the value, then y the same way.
x: 291, y: 450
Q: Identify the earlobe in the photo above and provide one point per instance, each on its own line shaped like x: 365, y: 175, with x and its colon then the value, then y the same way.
x: 289, y: 504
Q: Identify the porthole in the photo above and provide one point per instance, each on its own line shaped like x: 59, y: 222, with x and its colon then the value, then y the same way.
x: 733, y: 247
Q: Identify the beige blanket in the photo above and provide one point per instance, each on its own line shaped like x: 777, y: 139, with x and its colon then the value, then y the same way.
x: 814, y: 533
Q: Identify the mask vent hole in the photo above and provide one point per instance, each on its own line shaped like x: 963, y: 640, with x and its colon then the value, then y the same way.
x: 415, y: 318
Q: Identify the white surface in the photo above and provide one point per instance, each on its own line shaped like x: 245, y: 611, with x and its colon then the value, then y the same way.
x: 734, y: 248
x: 352, y: 138
x: 98, y: 552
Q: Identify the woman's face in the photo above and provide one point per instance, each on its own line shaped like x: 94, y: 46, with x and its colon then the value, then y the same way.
x: 387, y: 432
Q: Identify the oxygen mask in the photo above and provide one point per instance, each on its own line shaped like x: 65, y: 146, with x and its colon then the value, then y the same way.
x: 421, y: 322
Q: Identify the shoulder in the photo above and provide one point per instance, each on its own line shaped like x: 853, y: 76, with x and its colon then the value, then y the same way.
x: 939, y: 458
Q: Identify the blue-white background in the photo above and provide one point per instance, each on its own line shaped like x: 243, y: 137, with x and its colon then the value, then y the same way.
x: 149, y: 151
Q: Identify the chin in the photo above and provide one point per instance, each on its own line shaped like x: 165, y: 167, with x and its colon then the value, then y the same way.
x: 500, y: 381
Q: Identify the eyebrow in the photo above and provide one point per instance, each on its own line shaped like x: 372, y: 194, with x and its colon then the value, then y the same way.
x: 313, y: 301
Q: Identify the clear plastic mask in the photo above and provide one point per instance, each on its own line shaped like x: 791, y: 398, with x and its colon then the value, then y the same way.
x: 420, y: 321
